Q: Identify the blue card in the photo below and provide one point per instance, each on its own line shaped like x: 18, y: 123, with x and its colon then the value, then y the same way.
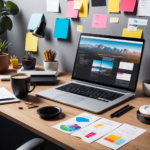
x: 34, y: 21
x: 61, y: 28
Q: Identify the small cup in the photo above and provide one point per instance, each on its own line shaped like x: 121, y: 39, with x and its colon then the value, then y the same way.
x: 20, y: 84
x: 146, y: 87
x: 50, y: 65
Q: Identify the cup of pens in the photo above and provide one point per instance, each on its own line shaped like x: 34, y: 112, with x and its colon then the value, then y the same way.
x: 50, y: 64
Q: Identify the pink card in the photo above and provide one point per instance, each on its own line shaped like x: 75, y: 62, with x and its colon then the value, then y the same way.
x: 127, y: 5
x: 71, y: 13
x: 99, y: 21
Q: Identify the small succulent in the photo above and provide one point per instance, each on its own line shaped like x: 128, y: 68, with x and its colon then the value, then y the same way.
x: 3, y: 46
x: 28, y: 56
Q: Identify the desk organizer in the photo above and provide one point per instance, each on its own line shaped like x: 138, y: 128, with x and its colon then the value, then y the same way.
x: 143, y: 118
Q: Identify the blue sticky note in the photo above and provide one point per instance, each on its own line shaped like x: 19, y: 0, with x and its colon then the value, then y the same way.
x: 61, y: 28
x: 120, y: 141
x: 82, y: 119
x: 34, y: 21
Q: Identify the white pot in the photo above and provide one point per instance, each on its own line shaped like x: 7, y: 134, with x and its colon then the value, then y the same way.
x: 50, y: 65
x: 146, y: 87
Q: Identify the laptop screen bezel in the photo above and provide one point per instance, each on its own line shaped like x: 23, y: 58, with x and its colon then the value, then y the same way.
x: 113, y: 37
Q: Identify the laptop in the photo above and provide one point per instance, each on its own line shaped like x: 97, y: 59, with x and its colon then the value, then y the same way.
x: 105, y: 73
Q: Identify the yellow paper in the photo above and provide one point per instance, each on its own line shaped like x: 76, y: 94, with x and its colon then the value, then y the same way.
x: 84, y: 11
x: 114, y: 20
x: 77, y: 5
x: 31, y: 42
x: 113, y: 6
x: 132, y: 34
x: 79, y: 28
x: 114, y: 137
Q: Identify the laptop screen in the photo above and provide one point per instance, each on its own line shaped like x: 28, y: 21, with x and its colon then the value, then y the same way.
x: 106, y: 60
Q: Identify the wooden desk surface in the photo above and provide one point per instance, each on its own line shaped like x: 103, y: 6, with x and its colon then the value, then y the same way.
x: 29, y: 119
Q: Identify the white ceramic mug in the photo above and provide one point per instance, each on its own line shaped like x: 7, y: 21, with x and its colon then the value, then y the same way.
x: 146, y: 87
x: 50, y: 65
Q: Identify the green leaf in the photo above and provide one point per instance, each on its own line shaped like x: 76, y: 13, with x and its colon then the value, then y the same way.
x: 1, y: 4
x: 6, y: 22
x: 2, y: 30
x: 13, y: 8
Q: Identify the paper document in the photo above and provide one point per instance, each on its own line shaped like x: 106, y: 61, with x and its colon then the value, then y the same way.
x: 127, y: 5
x: 132, y: 34
x: 96, y: 3
x: 114, y: 20
x: 52, y: 5
x: 61, y: 28
x: 79, y: 28
x: 96, y: 130
x: 142, y: 22
x: 132, y: 27
x: 99, y: 21
x: 34, y: 21
x: 77, y: 5
x: 31, y: 43
x: 143, y: 8
x: 76, y: 123
x: 71, y: 13
x: 6, y: 96
x: 84, y: 11
x: 113, y: 6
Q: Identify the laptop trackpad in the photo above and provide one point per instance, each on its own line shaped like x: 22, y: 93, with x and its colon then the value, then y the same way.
x: 69, y: 98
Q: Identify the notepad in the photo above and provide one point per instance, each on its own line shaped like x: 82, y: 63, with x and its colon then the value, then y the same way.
x: 113, y: 6
x: 127, y: 5
x: 61, y: 28
x: 84, y: 11
x: 52, y: 5
x: 34, y: 21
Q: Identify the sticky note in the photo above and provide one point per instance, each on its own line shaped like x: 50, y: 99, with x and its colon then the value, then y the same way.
x: 71, y: 13
x: 61, y: 28
x: 127, y: 5
x: 99, y: 21
x: 34, y: 21
x: 132, y: 34
x: 96, y: 3
x: 113, y: 6
x: 52, y: 5
x: 77, y: 5
x: 31, y: 42
x: 79, y: 28
x: 114, y: 20
x: 82, y: 119
x: 84, y: 11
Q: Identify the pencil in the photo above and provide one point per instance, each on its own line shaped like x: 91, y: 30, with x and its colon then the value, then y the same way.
x: 44, y: 55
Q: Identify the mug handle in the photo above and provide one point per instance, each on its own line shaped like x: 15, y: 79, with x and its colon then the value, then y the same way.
x: 34, y: 85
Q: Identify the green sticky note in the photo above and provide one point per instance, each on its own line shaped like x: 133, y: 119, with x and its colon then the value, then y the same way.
x: 61, y: 28
x: 34, y: 21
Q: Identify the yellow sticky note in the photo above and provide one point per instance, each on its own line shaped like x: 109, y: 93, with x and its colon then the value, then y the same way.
x: 84, y: 11
x: 113, y: 6
x: 77, y: 5
x: 132, y: 34
x: 31, y: 42
x: 114, y: 20
x: 79, y: 28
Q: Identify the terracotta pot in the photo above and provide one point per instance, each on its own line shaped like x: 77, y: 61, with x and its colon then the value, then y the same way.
x: 4, y: 62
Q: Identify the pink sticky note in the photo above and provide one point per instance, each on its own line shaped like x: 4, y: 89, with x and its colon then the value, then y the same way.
x: 71, y: 13
x: 127, y: 5
x: 99, y: 21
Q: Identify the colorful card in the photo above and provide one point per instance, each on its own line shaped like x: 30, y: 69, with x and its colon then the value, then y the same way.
x: 114, y: 20
x: 79, y: 28
x: 76, y: 123
x: 84, y: 11
x: 113, y: 6
x: 96, y: 130
x: 127, y: 5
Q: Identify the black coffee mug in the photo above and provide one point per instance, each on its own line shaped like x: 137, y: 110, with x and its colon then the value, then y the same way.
x: 21, y: 86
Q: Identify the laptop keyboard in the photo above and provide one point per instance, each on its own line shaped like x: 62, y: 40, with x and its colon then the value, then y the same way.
x: 83, y: 90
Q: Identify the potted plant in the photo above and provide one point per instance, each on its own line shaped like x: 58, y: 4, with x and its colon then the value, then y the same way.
x: 6, y: 8
x: 4, y: 57
x: 28, y: 62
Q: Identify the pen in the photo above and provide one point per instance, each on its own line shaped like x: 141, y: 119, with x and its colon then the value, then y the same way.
x: 124, y: 111
x: 4, y: 99
x: 113, y: 115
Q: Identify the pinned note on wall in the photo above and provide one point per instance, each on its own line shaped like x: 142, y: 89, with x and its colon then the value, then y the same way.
x: 31, y: 42
x: 77, y: 5
x: 127, y: 5
x: 96, y: 3
x: 34, y: 21
x: 79, y: 28
x: 52, y: 5
x: 114, y: 20
x: 84, y: 11
x: 99, y: 21
x: 132, y: 34
x: 71, y: 13
x: 61, y: 28
x: 113, y: 6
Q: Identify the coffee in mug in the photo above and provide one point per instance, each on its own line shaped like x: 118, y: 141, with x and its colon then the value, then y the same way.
x: 20, y: 76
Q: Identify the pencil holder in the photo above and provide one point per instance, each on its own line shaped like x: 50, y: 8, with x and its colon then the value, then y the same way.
x: 14, y: 63
x: 50, y: 65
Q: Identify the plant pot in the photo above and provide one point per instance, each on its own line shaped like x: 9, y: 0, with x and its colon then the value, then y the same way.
x: 28, y: 64
x: 4, y: 62
x: 50, y: 65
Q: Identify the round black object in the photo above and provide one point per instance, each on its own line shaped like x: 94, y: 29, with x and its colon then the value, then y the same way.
x: 49, y: 111
x: 142, y: 118
x: 28, y: 64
